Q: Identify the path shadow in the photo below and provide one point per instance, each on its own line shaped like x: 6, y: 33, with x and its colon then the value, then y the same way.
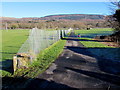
x: 42, y: 83
x: 31, y: 83
x: 105, y: 77
x: 108, y: 59
x: 7, y: 65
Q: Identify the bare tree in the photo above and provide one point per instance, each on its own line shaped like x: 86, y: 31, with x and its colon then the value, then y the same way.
x: 115, y: 21
x: 115, y: 18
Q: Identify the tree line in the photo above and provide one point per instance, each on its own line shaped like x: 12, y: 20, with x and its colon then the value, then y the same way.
x: 115, y: 22
x: 54, y: 24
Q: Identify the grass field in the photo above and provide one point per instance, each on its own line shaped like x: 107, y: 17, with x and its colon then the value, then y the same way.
x: 11, y: 42
x: 94, y: 31
x: 88, y: 35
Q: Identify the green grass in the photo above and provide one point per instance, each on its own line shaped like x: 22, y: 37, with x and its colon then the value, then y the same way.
x: 89, y: 42
x: 92, y: 31
x: 11, y: 42
x: 93, y: 44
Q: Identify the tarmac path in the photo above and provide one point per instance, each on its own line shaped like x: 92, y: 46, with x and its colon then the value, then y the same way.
x: 76, y: 68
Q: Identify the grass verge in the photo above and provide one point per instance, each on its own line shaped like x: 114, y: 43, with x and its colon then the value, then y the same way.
x: 90, y: 43
x: 44, y: 59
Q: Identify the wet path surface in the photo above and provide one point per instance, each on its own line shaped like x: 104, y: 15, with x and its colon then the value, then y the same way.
x: 77, y: 68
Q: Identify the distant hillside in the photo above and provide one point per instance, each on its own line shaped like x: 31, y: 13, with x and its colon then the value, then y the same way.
x: 8, y: 18
x: 73, y: 17
x: 62, y: 17
x: 79, y: 21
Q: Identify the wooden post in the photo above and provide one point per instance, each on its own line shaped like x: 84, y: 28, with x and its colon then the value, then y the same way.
x: 14, y: 63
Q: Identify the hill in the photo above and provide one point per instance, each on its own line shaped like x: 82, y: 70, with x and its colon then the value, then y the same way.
x: 73, y: 17
x: 61, y: 17
x: 78, y: 21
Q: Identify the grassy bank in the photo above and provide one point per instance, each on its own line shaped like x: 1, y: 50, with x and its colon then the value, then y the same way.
x: 44, y: 59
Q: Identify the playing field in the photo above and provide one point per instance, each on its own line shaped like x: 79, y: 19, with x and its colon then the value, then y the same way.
x: 11, y: 42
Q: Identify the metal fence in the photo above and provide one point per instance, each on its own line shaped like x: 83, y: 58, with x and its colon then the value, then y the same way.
x: 38, y: 40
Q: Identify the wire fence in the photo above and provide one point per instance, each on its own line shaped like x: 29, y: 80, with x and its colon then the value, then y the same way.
x: 37, y: 41
x: 40, y: 39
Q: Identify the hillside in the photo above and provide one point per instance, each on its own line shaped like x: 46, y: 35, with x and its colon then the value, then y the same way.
x: 74, y: 17
x: 61, y: 17
x: 78, y: 21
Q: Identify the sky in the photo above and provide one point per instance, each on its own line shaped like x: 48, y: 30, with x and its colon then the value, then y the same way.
x: 56, y: 0
x: 41, y: 9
